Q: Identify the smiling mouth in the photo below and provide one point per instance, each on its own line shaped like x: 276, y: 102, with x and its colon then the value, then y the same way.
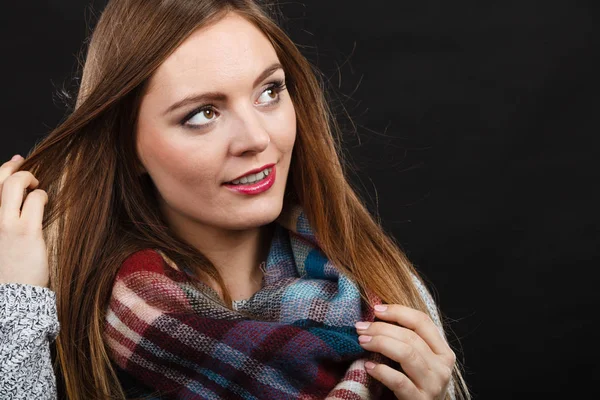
x: 255, y: 183
x: 252, y: 178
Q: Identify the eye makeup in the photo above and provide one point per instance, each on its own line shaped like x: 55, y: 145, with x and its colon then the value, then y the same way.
x: 277, y: 86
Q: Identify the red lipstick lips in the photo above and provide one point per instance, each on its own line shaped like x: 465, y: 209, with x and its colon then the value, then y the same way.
x: 257, y: 187
x: 254, y: 171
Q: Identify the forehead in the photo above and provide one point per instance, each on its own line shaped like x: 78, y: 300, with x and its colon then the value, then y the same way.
x: 229, y: 52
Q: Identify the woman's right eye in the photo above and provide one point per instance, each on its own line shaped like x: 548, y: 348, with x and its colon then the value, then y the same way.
x: 200, y: 117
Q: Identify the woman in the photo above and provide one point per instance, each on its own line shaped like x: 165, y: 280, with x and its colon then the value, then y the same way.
x: 202, y: 239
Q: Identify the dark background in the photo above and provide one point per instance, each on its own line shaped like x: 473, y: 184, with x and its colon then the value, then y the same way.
x: 475, y: 141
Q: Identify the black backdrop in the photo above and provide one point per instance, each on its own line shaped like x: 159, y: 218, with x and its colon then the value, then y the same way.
x: 475, y: 142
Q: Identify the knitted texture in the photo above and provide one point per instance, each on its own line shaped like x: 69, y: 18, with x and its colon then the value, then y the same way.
x: 169, y: 309
x: 28, y: 324
x: 294, y: 339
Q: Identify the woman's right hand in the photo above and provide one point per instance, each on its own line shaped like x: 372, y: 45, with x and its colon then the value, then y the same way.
x: 23, y: 252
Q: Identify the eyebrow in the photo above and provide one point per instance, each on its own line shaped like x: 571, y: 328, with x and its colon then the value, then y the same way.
x: 217, y: 96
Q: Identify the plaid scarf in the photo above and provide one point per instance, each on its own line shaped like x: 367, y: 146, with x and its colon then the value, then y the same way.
x: 180, y: 341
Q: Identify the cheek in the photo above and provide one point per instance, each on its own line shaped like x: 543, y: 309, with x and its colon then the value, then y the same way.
x: 172, y: 164
x: 286, y: 128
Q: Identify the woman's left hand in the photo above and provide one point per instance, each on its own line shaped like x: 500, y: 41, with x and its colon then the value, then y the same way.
x: 416, y: 343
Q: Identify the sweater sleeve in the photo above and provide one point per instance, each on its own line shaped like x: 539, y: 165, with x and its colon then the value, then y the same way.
x: 28, y: 324
x: 432, y: 308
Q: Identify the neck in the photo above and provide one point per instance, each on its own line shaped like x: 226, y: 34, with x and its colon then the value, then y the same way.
x: 237, y: 255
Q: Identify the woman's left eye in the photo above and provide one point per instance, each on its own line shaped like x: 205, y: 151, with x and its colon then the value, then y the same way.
x: 271, y: 94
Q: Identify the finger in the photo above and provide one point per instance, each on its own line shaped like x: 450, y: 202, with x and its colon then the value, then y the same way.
x: 9, y: 168
x: 411, y: 360
x: 399, y: 333
x: 13, y: 192
x: 419, y: 322
x: 396, y: 381
x: 33, y: 208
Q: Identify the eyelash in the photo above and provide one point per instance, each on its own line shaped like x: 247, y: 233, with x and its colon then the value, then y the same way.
x: 278, y: 86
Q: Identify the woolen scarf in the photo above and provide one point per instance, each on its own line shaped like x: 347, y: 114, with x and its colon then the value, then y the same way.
x: 293, y: 339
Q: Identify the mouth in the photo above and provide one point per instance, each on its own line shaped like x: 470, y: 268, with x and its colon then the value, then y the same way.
x: 252, y: 178
x: 253, y: 184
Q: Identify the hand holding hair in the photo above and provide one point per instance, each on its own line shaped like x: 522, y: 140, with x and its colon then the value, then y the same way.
x: 413, y: 340
x: 23, y: 254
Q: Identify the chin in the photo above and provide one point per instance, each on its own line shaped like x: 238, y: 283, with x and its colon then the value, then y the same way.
x: 259, y: 215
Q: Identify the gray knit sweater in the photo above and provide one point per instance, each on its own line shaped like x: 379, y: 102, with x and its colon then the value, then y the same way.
x: 28, y: 324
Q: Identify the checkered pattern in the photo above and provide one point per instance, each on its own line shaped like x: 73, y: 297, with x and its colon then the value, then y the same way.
x: 294, y: 339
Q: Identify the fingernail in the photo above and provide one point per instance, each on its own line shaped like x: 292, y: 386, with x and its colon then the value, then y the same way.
x: 16, y: 157
x: 380, y: 308
x: 362, y: 325
x: 365, y: 338
x: 369, y: 365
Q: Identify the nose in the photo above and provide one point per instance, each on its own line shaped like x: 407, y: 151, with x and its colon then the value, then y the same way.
x: 250, y: 133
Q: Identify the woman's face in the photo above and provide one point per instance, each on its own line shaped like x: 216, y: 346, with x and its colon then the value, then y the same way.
x: 216, y: 109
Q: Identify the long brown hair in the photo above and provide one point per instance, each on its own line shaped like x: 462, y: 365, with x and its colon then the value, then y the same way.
x: 102, y: 209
